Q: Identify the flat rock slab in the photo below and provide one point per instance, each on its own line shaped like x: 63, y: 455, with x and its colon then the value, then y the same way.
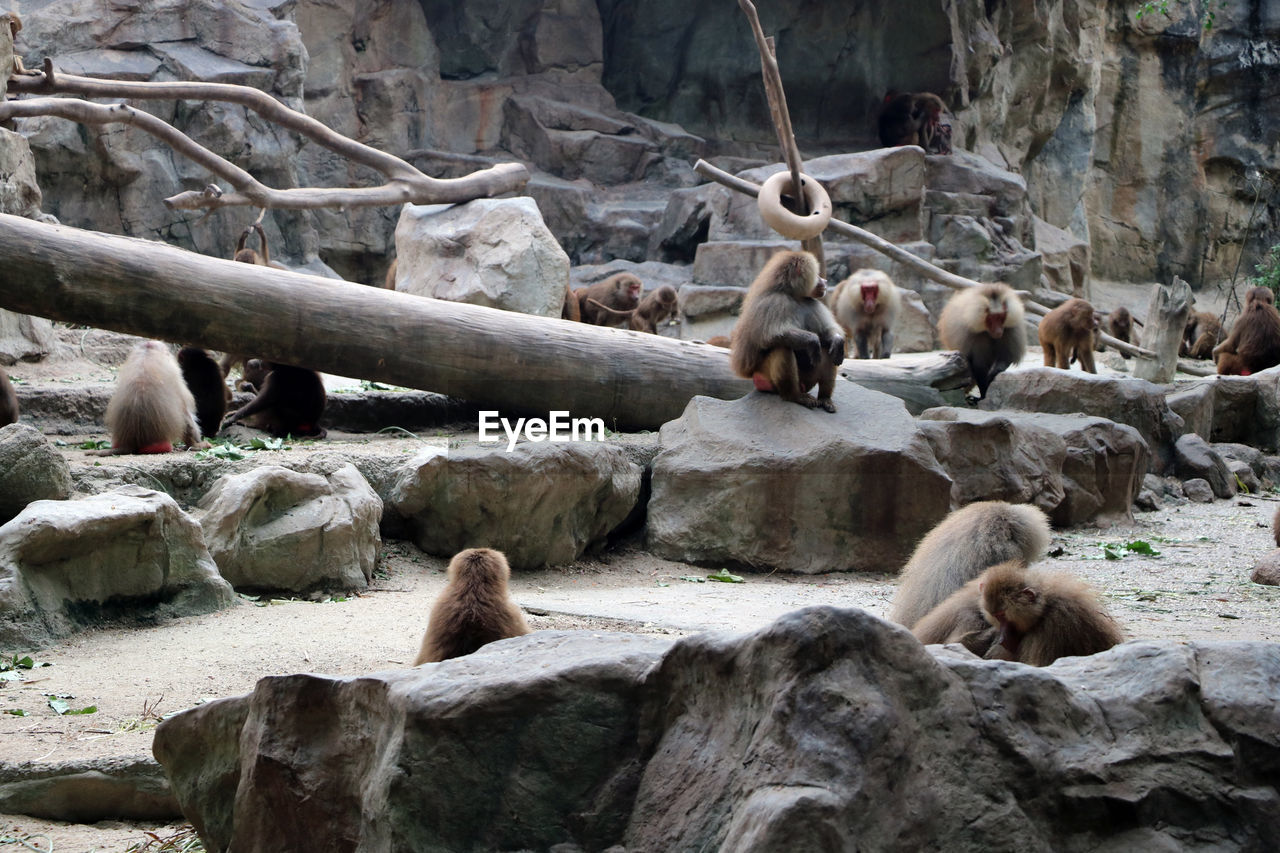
x: 766, y: 484
x: 781, y: 739
x: 89, y: 791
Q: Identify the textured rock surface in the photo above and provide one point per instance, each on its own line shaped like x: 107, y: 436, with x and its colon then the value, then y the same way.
x: 1195, y: 458
x: 89, y: 791
x: 780, y: 739
x: 850, y: 490
x: 541, y: 504
x: 22, y: 337
x: 276, y: 529
x: 127, y: 553
x: 1077, y: 469
x: 1137, y: 403
x: 491, y: 252
x: 30, y: 470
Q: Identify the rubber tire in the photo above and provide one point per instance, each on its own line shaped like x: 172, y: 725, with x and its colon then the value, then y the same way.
x: 788, y: 224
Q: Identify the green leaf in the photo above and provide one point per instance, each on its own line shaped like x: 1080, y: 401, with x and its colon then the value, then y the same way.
x: 100, y: 444
x: 17, y: 712
x: 724, y: 577
x: 1139, y: 547
x: 59, y: 706
x: 693, y: 579
x: 91, y: 709
x: 10, y: 675
x: 1109, y: 554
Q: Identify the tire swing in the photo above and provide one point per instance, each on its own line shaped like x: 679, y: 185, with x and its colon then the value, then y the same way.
x: 791, y: 225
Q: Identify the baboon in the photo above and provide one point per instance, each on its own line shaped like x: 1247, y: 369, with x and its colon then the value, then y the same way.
x: 8, y: 401
x: 151, y: 408
x: 389, y: 280
x: 289, y: 402
x: 1254, y: 342
x: 570, y: 309
x: 656, y: 307
x: 246, y: 255
x: 786, y: 340
x: 474, y: 609
x: 1275, y: 527
x: 962, y: 546
x: 208, y: 387
x: 915, y: 119
x: 1120, y: 325
x: 1043, y: 616
x: 1201, y: 334
x: 620, y: 292
x: 253, y: 375
x: 985, y: 325
x: 1069, y: 330
x: 866, y: 305
x: 958, y: 619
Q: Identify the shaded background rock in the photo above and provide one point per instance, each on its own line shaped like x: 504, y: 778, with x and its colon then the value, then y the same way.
x: 89, y: 791
x: 850, y: 490
x: 540, y: 504
x: 781, y: 738
x: 276, y: 529
x: 128, y: 553
x: 30, y: 470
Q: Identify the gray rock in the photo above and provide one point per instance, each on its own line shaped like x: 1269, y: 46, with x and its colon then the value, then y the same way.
x: 1246, y: 409
x: 781, y: 739
x: 492, y: 252
x: 542, y: 504
x: 1147, y: 501
x: 22, y: 337
x: 913, y: 331
x: 1267, y: 570
x: 1245, y: 480
x: 734, y: 263
x: 1251, y: 456
x: 1076, y: 468
x: 1065, y: 258
x: 275, y: 529
x: 116, y: 788
x: 1138, y: 403
x: 1153, y: 483
x: 766, y: 484
x: 1195, y: 405
x: 127, y: 553
x: 31, y: 469
x: 1198, y: 491
x: 1195, y: 458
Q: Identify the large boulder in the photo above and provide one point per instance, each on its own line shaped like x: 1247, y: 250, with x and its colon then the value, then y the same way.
x: 827, y: 730
x: 1195, y: 458
x: 1135, y: 402
x: 31, y: 469
x: 22, y: 337
x: 128, y: 553
x: 492, y: 252
x: 541, y: 504
x: 767, y: 484
x: 1077, y: 469
x: 275, y: 529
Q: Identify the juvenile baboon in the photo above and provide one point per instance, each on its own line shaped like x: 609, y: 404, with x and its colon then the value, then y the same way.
x: 786, y: 340
x: 474, y: 609
x: 958, y: 619
x: 1120, y: 324
x: 985, y: 325
x: 151, y: 408
x: 962, y: 546
x: 1043, y: 616
x: 1201, y: 334
x: 208, y: 387
x: 620, y: 293
x: 253, y: 375
x: 8, y: 401
x: 914, y: 119
x: 866, y: 305
x: 656, y: 307
x: 289, y: 402
x: 1254, y: 342
x: 1069, y: 330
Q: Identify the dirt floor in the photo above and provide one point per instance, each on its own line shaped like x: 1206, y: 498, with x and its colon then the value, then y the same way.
x: 1196, y: 589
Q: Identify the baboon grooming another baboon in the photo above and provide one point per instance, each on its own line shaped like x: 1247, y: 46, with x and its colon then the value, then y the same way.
x: 289, y: 402
x: 1202, y: 333
x: 1254, y: 342
x: 914, y: 119
x: 786, y: 339
x: 474, y: 609
x: 1069, y: 330
x: 866, y: 305
x: 984, y: 324
x: 152, y: 408
x: 963, y: 545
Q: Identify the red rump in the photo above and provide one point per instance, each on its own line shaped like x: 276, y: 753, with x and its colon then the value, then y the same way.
x: 156, y: 447
x: 762, y: 382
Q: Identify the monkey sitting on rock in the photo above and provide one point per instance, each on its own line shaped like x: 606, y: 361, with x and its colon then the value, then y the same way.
x: 474, y: 609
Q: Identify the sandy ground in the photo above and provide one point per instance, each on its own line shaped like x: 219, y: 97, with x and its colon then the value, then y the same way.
x: 1197, y: 589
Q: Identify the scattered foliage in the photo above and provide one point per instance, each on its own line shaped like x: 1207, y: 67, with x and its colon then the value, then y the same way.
x: 723, y: 576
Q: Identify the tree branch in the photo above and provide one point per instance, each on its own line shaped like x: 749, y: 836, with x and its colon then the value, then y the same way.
x: 405, y: 184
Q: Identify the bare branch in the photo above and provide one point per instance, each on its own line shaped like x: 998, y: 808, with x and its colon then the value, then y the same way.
x: 405, y: 184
